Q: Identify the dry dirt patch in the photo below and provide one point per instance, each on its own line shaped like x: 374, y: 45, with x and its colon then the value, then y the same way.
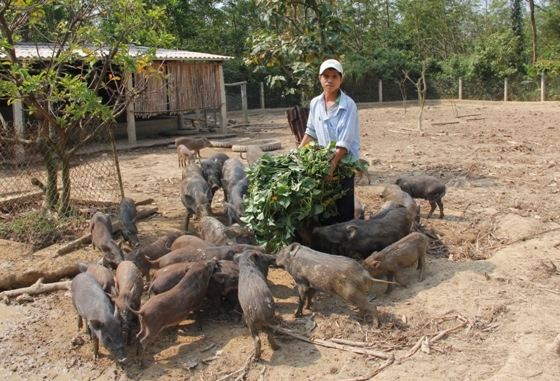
x: 491, y: 276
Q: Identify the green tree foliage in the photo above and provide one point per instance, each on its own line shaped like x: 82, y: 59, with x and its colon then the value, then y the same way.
x: 64, y: 92
x: 495, y: 56
x: 549, y: 26
x: 297, y: 37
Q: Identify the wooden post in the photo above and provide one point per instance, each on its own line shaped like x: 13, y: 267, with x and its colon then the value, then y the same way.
x: 506, y: 86
x: 130, y: 121
x: 262, y: 95
x: 244, y: 102
x: 543, y: 87
x: 380, y: 85
x: 223, y: 108
x: 460, y: 88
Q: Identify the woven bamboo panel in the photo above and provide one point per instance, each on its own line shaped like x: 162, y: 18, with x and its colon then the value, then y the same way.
x: 186, y: 87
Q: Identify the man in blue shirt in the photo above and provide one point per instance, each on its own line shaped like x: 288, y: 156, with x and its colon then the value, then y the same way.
x: 333, y: 116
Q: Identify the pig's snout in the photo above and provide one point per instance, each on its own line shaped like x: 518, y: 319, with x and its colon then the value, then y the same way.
x: 122, y: 358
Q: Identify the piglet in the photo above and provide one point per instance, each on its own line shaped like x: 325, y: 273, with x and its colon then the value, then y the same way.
x: 172, y: 307
x: 236, y: 186
x: 185, y: 155
x: 254, y: 154
x: 342, y: 276
x: 167, y: 277
x: 102, y: 318
x: 212, y: 170
x: 102, y: 238
x: 426, y: 187
x: 394, y: 193
x: 404, y: 253
x: 255, y: 299
x: 193, y: 143
x: 196, y: 195
x: 212, y: 230
x: 224, y: 281
x: 101, y: 273
x: 190, y: 241
x: 161, y: 246
x: 127, y: 215
x: 129, y: 288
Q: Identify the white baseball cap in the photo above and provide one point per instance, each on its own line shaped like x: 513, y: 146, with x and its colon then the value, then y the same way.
x: 331, y: 64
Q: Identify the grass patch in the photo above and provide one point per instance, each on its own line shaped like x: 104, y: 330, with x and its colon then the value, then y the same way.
x: 40, y: 229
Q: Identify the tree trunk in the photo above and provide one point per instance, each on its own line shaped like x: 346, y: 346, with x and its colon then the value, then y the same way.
x: 63, y: 206
x: 51, y: 187
x: 422, y: 92
x: 533, y: 29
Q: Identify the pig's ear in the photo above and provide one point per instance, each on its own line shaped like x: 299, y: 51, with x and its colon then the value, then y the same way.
x: 187, y: 267
x: 294, y: 249
x: 254, y: 257
x: 82, y: 267
x: 119, y: 244
x: 236, y: 257
x: 375, y: 265
x: 352, y: 230
x: 97, y: 324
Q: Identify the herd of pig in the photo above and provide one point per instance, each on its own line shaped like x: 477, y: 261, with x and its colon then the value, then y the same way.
x: 224, y: 265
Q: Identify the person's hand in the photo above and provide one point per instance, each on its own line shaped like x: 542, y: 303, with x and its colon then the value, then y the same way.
x: 333, y: 166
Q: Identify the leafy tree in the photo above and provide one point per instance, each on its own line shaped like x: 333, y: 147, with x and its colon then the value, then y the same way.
x: 549, y: 37
x: 496, y: 56
x: 81, y: 88
x: 517, y: 25
x: 297, y: 38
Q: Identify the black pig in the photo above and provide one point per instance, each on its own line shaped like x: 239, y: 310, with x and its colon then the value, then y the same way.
x: 127, y: 215
x: 426, y: 187
x: 256, y: 299
x: 102, y: 318
x: 360, y: 238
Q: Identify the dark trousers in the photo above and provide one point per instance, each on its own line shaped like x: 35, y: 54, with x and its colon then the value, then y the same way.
x: 345, y: 205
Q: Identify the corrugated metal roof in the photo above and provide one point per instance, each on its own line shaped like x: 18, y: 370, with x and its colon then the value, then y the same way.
x: 45, y: 51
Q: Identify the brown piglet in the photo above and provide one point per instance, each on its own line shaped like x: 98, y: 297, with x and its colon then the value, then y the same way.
x: 172, y: 307
x: 404, y: 253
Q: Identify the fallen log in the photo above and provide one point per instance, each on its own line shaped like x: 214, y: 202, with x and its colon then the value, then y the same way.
x: 28, y: 272
x: 86, y: 239
x: 37, y: 288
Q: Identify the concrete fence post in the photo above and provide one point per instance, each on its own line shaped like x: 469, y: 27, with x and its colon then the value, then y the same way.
x: 262, y: 95
x: 543, y: 87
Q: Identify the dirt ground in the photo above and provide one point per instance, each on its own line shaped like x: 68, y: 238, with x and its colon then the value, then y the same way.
x: 491, y: 277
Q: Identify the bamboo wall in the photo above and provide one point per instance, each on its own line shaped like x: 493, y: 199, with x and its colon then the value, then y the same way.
x: 186, y: 87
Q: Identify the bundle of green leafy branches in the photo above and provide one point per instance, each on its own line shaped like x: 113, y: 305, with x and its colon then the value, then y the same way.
x: 286, y: 190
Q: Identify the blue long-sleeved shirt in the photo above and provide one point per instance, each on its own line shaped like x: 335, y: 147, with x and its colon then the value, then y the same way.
x: 339, y: 123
